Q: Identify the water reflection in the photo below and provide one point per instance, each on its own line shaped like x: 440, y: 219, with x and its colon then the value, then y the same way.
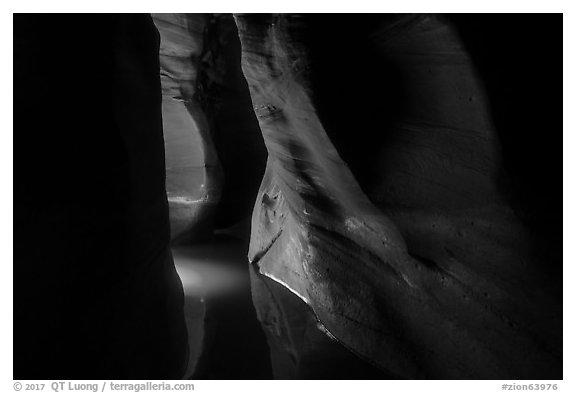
x: 227, y: 342
x: 243, y: 325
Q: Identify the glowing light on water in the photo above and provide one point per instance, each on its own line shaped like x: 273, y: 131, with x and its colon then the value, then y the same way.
x: 210, y: 270
x: 191, y: 279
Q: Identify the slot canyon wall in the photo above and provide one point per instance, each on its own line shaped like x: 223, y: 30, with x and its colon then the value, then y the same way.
x: 381, y: 207
x: 193, y: 171
x: 401, y: 173
x: 206, y: 108
x: 397, y: 167
x: 96, y: 294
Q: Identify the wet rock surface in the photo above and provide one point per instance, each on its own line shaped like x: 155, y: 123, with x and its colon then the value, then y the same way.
x: 300, y: 348
x: 243, y: 325
x: 382, y: 212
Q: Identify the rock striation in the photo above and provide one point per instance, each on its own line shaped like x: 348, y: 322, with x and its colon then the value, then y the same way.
x: 379, y: 206
x: 193, y: 172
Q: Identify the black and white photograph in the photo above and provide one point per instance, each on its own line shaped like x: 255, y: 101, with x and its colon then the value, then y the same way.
x: 328, y: 196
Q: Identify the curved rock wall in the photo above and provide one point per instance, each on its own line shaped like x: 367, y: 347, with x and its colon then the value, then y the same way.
x: 381, y: 205
x: 193, y: 172
x: 381, y: 211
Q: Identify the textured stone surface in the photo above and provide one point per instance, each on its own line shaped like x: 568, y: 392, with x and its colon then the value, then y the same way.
x: 379, y: 206
x: 299, y: 347
x: 193, y: 172
x: 96, y: 295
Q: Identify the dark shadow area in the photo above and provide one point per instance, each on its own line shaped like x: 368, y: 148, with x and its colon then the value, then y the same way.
x: 363, y: 93
x: 519, y: 58
x: 96, y: 294
x: 236, y: 131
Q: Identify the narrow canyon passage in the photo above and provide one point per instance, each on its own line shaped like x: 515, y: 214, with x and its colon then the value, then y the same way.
x: 287, y: 196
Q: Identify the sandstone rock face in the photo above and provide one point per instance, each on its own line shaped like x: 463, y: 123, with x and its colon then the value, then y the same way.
x: 379, y: 206
x: 96, y: 295
x: 193, y: 172
x: 299, y: 347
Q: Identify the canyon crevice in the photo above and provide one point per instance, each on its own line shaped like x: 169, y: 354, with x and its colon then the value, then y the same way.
x: 378, y: 193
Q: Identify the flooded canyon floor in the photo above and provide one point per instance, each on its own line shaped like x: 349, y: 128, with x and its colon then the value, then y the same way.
x: 243, y: 325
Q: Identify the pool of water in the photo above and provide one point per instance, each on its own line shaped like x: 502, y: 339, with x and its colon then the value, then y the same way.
x: 243, y: 325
